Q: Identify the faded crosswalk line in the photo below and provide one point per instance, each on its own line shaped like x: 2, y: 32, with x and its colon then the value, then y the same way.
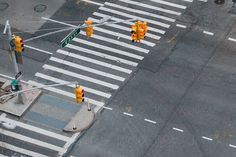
x: 94, y: 61
x: 84, y: 68
x: 82, y: 77
x: 87, y: 89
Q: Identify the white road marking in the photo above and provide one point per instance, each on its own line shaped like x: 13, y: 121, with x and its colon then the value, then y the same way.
x: 107, y: 108
x: 208, y: 33
x: 32, y: 141
x: 182, y: 26
x: 94, y: 61
x: 62, y: 92
x: 128, y: 23
x: 180, y: 130
x: 37, y: 49
x: 110, y: 49
x: 87, y: 89
x: 170, y: 4
x: 207, y: 138
x: 232, y: 39
x: 88, y: 1
x: 188, y: 0
x: 233, y: 146
x: 203, y: 0
x: 128, y: 114
x: 140, y: 12
x: 122, y: 36
x: 36, y: 129
x: 134, y: 17
x: 102, y: 55
x: 150, y: 121
x: 84, y: 68
x: 2, y: 154
x: 20, y: 150
x: 156, y: 37
x: 116, y: 42
x: 82, y: 77
x: 151, y: 7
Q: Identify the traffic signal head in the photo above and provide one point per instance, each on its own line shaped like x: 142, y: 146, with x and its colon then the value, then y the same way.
x: 19, y: 46
x: 89, y: 28
x: 79, y: 94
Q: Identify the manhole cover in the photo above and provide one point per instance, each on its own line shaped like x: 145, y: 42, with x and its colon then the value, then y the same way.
x: 219, y: 1
x: 40, y: 8
x: 3, y: 6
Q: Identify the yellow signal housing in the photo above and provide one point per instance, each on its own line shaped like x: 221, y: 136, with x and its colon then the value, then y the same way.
x: 19, y: 46
x: 79, y: 94
x: 89, y: 28
x: 134, y: 33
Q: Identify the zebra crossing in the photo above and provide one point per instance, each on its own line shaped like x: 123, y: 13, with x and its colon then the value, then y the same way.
x: 103, y: 63
x: 27, y: 140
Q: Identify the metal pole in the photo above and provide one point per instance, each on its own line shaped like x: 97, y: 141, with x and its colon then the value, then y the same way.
x: 8, y: 26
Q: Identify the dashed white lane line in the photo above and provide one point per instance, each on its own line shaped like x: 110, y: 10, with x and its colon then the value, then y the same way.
x: 208, y: 33
x: 232, y: 39
x: 233, y: 146
x: 88, y: 1
x: 37, y: 49
x: 177, y: 129
x: 128, y: 114
x: 150, y: 121
x: 207, y: 138
x: 107, y: 108
x: 182, y: 26
x: 203, y: 0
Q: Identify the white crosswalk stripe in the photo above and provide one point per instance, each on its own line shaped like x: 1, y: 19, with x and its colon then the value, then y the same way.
x: 110, y: 49
x: 84, y: 68
x: 134, y: 17
x: 31, y: 140
x: 140, y: 12
x: 65, y: 93
x: 107, y: 59
x: 96, y: 53
x: 151, y: 7
x: 126, y: 29
x: 87, y: 89
x: 116, y: 42
x: 169, y: 4
x: 129, y: 23
x: 79, y: 76
x: 94, y: 61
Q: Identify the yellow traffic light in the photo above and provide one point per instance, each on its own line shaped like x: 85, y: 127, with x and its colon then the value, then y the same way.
x: 79, y: 94
x: 19, y: 46
x: 133, y: 33
x: 138, y: 31
x: 89, y: 28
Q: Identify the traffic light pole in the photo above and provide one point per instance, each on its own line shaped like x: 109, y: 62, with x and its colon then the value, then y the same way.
x: 13, y: 56
x: 8, y: 28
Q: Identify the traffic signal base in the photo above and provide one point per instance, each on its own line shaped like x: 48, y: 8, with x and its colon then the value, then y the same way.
x: 11, y: 106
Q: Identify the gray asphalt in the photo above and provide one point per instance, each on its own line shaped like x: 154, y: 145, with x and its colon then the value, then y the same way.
x: 186, y: 83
